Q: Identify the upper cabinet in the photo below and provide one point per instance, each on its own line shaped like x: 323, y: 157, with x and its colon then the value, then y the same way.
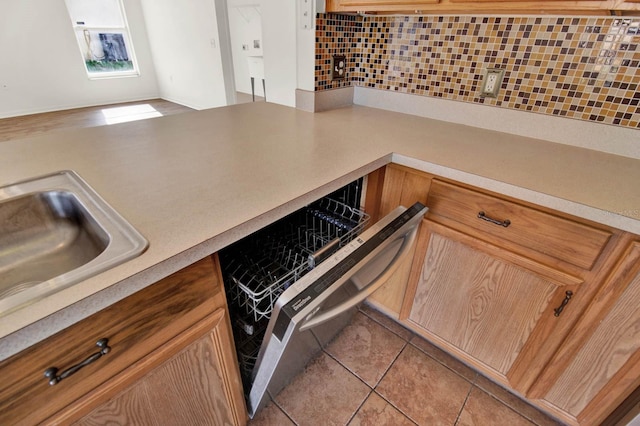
x: 595, y: 7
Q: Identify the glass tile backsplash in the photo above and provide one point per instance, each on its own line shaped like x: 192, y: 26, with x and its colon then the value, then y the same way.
x: 586, y: 68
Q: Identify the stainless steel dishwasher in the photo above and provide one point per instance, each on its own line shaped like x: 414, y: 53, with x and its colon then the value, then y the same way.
x: 294, y: 285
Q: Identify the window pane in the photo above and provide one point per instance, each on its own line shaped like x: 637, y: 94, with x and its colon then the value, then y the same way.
x: 105, y: 51
x: 96, y: 13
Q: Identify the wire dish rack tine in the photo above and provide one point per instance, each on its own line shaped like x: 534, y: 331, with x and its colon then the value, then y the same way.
x: 266, y: 265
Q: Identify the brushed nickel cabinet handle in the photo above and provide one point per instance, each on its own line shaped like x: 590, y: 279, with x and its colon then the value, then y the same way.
x: 483, y: 216
x: 51, y: 373
x: 557, y: 311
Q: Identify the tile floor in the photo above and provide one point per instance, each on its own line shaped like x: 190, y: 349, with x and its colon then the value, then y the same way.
x: 378, y: 373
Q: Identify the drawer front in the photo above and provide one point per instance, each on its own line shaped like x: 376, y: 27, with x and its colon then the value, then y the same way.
x: 563, y: 239
x: 135, y: 326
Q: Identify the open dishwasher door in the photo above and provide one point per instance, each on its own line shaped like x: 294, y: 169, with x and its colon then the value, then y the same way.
x: 314, y: 309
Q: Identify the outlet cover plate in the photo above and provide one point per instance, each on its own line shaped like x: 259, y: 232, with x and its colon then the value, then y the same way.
x: 338, y: 67
x: 491, y: 82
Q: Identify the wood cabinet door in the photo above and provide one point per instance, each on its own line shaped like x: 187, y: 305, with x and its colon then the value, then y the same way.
x: 194, y: 379
x: 401, y: 187
x: 481, y: 302
x: 599, y: 365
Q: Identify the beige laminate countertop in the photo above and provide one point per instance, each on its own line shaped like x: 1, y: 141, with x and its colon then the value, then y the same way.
x: 193, y: 183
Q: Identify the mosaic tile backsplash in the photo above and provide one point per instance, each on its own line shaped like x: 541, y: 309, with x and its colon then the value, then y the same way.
x: 582, y: 68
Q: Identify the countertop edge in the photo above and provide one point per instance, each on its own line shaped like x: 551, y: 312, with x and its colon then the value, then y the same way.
x: 583, y: 211
x: 43, y: 328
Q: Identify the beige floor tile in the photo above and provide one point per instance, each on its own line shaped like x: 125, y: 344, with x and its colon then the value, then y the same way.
x: 423, y: 389
x: 366, y: 348
x: 326, y: 393
x: 482, y: 409
x: 517, y: 404
x: 271, y: 415
x: 385, y: 321
x: 444, y: 358
x: 377, y: 412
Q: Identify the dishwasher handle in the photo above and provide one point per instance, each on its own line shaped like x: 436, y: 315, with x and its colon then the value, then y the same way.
x: 313, y: 320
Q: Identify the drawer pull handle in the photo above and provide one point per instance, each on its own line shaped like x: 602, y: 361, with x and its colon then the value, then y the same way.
x: 557, y: 311
x: 52, y: 372
x: 483, y: 216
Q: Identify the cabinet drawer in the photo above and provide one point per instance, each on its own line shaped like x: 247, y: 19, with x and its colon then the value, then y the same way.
x: 563, y: 239
x: 135, y: 326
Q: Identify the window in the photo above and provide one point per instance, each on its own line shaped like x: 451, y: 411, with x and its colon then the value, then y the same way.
x: 103, y: 37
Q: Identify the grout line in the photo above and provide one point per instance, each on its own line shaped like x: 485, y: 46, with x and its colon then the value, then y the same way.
x: 359, y: 407
x: 385, y: 326
x: 397, y: 408
x: 391, y: 366
x: 463, y: 404
x: 284, y: 412
x: 382, y: 378
x: 472, y: 381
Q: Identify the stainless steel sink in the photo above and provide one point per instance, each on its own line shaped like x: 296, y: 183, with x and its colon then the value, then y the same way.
x: 55, y: 231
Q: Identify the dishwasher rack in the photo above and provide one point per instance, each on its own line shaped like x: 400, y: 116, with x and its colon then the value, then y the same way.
x: 259, y: 268
x: 262, y: 267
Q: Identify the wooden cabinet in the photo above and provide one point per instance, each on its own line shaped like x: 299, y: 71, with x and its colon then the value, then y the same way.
x: 599, y: 364
x: 484, y: 303
x: 593, y: 7
x: 191, y: 387
x: 139, y: 329
x: 399, y: 186
x: 506, y: 286
x: 489, y: 284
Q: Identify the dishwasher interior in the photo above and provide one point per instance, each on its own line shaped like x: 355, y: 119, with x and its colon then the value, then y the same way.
x: 258, y: 268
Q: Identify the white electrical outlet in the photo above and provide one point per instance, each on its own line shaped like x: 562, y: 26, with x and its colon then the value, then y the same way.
x: 491, y: 82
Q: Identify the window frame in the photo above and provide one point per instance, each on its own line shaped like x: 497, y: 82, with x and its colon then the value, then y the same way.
x: 79, y: 27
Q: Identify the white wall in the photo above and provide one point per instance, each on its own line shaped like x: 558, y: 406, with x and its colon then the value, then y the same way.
x: 185, y: 46
x: 245, y: 24
x: 42, y: 69
x: 306, y: 47
x: 279, y: 35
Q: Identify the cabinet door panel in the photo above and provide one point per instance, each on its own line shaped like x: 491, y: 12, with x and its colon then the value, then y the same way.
x: 479, y: 303
x: 194, y: 386
x: 197, y: 373
x: 131, y: 407
x: 134, y: 326
x: 597, y: 371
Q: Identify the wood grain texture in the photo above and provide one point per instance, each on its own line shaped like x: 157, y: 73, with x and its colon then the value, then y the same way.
x: 480, y: 304
x: 373, y: 194
x: 581, y: 7
x: 566, y: 240
x: 610, y: 351
x: 134, y: 326
x: 402, y: 187
x: 132, y: 407
x: 391, y: 294
x: 189, y: 387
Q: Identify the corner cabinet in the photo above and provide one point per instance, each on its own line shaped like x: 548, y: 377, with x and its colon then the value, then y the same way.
x: 500, y: 283
x: 539, y: 301
x: 599, y: 365
x: 170, y: 359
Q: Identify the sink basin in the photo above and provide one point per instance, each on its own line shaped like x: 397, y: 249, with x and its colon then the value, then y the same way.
x: 55, y: 231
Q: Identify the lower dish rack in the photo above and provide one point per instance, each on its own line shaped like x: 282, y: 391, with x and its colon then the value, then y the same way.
x: 258, y: 269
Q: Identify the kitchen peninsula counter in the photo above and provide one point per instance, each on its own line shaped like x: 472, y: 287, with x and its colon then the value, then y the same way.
x: 194, y: 183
